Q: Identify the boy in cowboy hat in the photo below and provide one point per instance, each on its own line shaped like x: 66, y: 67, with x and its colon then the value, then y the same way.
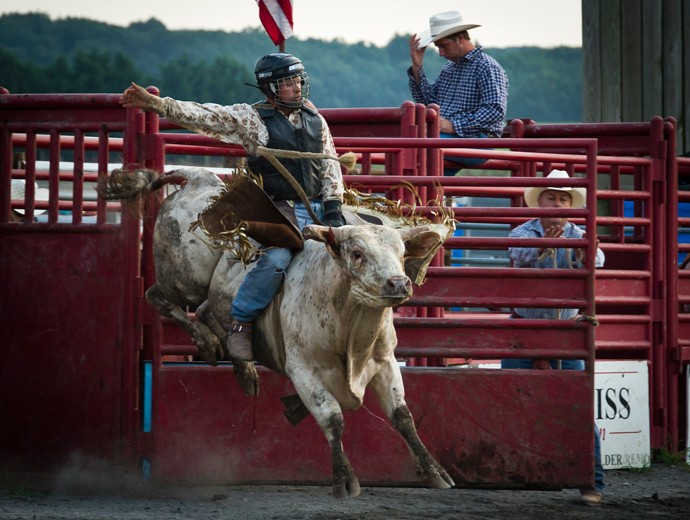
x: 472, y: 88
x: 534, y: 257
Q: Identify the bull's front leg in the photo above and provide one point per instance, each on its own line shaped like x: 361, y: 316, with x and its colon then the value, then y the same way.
x: 208, y: 344
x: 388, y: 387
x: 329, y: 416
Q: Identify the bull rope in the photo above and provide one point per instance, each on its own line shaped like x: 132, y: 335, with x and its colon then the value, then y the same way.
x: 348, y: 160
x: 352, y: 197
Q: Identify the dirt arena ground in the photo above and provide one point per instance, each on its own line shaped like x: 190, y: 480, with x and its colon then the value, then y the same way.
x: 662, y: 491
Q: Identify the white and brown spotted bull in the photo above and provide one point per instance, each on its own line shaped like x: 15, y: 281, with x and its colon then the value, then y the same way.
x: 329, y: 329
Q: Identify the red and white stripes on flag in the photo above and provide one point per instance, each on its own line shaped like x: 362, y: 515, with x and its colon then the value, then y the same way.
x: 276, y: 16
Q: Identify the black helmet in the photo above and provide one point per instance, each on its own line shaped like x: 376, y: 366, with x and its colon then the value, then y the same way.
x: 272, y: 68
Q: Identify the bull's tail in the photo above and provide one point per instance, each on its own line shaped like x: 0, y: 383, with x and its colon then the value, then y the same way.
x: 134, y: 185
x: 129, y: 185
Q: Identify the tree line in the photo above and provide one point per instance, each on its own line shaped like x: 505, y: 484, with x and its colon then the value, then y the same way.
x: 40, y: 55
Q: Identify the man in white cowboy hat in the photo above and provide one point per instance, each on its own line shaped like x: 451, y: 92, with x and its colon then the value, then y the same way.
x: 535, y: 257
x: 19, y: 193
x: 471, y: 89
x: 550, y: 227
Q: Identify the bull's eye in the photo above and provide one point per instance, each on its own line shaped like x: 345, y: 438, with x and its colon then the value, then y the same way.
x: 357, y: 254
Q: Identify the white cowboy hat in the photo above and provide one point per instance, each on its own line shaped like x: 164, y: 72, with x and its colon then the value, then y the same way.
x: 579, y: 195
x: 19, y: 193
x: 442, y: 25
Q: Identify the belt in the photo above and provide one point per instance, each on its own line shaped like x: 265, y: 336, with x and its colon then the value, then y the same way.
x: 293, y: 202
x: 494, y: 135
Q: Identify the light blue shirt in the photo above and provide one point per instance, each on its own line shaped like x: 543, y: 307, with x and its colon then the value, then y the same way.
x: 529, y: 257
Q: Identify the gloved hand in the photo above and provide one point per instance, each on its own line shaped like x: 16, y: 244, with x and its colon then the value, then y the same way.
x: 332, y: 213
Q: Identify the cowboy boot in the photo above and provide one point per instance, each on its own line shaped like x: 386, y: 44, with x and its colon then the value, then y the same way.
x: 240, y: 341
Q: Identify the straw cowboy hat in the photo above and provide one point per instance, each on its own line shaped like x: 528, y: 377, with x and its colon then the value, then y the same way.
x: 579, y: 195
x: 442, y: 25
x: 19, y: 193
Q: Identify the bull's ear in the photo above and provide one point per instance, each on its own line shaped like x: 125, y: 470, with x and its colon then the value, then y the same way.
x: 323, y: 234
x: 421, y: 244
x: 419, y: 250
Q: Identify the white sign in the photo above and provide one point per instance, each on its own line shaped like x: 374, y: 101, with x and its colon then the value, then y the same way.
x: 621, y: 411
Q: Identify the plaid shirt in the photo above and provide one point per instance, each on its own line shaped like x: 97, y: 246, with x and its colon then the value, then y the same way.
x: 472, y: 93
x: 529, y: 257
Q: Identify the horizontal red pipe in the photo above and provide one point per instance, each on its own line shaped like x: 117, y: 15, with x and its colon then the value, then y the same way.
x: 624, y: 345
x: 67, y: 142
x: 60, y: 227
x: 69, y: 101
x: 520, y: 182
x: 445, y: 301
x: 503, y: 272
x: 491, y: 323
x: 44, y: 175
x: 580, y: 130
x: 68, y: 126
x: 492, y: 353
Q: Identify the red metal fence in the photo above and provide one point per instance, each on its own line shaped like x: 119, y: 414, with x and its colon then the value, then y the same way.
x: 75, y: 301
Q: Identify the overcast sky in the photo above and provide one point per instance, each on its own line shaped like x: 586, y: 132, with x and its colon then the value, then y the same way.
x: 505, y: 23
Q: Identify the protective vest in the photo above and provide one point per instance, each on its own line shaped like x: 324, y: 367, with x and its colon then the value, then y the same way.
x: 284, y: 136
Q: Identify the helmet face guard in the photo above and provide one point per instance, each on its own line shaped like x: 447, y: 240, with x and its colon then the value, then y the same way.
x: 274, y: 91
x: 281, y: 69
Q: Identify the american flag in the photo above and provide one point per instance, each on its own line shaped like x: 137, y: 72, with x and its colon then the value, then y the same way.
x: 276, y: 16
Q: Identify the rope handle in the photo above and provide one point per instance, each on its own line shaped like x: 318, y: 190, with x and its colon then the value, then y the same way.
x: 348, y: 160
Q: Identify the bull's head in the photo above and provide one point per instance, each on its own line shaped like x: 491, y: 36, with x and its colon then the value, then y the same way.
x: 374, y: 258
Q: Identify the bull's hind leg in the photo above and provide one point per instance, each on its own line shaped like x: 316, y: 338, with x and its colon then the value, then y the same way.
x: 388, y: 386
x: 208, y: 344
x: 326, y: 410
x: 244, y: 371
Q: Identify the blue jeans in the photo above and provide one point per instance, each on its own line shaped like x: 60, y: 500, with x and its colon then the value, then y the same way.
x: 262, y: 283
x: 569, y: 364
x: 464, y: 161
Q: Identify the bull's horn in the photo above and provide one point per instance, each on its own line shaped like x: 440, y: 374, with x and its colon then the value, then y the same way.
x: 407, y: 233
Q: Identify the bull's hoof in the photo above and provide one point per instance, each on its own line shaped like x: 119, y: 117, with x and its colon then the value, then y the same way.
x: 210, y: 347
x: 247, y: 377
x: 439, y: 480
x: 343, y: 488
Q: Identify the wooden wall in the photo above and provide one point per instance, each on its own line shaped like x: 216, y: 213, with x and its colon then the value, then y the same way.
x: 636, y: 62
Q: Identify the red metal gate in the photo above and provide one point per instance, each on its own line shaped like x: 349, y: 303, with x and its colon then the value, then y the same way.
x: 69, y: 357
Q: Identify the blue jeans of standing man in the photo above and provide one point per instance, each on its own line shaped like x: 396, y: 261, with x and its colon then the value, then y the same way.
x: 464, y: 161
x: 569, y: 364
x: 262, y: 283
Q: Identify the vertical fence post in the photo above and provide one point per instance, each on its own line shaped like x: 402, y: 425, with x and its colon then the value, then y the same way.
x: 674, y: 369
x: 5, y: 173
x: 78, y: 177
x: 54, y: 176
x: 155, y: 160
x: 133, y: 290
x: 658, y: 212
x: 103, y: 153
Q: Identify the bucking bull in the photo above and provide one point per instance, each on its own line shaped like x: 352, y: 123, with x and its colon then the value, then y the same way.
x: 329, y: 329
